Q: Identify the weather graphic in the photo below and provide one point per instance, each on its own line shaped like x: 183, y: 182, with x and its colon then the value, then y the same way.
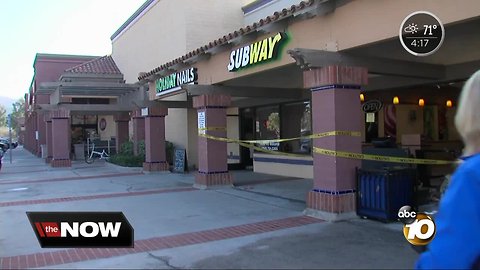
x: 411, y: 28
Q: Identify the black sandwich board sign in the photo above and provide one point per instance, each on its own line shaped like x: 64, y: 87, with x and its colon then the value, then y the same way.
x: 179, y: 161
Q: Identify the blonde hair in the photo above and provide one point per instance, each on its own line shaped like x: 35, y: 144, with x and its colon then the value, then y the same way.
x: 467, y: 118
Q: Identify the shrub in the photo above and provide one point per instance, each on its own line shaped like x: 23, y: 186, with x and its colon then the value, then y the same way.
x: 141, y: 148
x: 127, y: 160
x: 169, y: 148
x: 126, y: 148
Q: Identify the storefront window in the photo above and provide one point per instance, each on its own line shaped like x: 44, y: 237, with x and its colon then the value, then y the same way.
x: 267, y: 126
x: 296, y: 122
x: 285, y: 121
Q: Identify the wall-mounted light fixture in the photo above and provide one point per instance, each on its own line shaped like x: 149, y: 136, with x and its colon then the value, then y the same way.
x: 421, y: 102
x: 449, y: 103
x: 362, y: 97
x: 396, y: 100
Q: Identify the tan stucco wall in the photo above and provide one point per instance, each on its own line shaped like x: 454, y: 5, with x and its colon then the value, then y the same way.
x: 452, y: 130
x: 357, y: 23
x: 170, y: 29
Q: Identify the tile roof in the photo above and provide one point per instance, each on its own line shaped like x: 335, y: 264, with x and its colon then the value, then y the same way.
x: 278, y: 15
x: 100, y: 65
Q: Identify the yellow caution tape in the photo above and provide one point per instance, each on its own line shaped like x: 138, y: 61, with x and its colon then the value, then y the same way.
x: 249, y: 145
x: 313, y: 136
x: 213, y: 129
x: 352, y: 155
x: 343, y: 154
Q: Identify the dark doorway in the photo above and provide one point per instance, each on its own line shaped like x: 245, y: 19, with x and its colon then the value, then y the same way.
x: 247, y: 132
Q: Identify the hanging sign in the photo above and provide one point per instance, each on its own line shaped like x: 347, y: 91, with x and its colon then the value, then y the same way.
x: 201, y: 123
x: 258, y: 52
x: 175, y: 80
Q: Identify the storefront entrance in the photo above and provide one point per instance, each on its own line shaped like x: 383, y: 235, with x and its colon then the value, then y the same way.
x: 247, y: 128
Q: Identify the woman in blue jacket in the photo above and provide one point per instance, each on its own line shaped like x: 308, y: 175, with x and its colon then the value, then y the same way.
x: 457, y: 241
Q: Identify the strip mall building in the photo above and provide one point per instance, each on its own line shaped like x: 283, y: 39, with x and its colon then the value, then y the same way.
x: 275, y: 69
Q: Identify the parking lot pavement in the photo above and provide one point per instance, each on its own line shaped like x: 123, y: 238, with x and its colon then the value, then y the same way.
x: 177, y: 226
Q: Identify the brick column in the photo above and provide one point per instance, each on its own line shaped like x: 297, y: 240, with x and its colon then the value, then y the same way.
x: 138, y: 130
x: 41, y: 132
x: 34, y: 148
x: 155, y: 157
x: 212, y: 155
x: 61, y: 138
x: 29, y: 133
x: 26, y: 142
x: 121, y: 131
x: 48, y: 136
x: 335, y: 106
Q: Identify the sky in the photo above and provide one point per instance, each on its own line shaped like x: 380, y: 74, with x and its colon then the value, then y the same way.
x: 27, y: 27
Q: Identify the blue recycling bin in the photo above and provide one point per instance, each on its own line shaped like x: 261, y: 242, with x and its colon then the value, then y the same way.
x: 380, y: 193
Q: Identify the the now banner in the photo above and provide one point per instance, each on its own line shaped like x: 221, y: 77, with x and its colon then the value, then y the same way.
x: 81, y: 229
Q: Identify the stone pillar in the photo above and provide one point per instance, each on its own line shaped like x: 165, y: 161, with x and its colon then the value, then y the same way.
x: 155, y: 157
x: 48, y: 137
x: 26, y: 141
x: 61, y: 138
x: 35, y: 146
x: 138, y: 130
x: 335, y: 106
x: 29, y: 134
x: 212, y: 154
x: 121, y: 132
x: 41, y: 132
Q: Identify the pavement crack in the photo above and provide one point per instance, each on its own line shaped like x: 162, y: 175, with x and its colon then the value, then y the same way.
x: 164, y: 259
x: 129, y: 187
x: 260, y: 201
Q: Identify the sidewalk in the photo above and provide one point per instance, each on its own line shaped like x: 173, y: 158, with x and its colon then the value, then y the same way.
x: 257, y: 224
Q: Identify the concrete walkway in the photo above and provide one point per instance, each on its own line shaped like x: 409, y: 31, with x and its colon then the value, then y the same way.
x: 256, y: 224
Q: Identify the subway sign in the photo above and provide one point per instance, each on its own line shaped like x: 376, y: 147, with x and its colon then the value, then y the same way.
x: 258, y: 52
x: 175, y: 80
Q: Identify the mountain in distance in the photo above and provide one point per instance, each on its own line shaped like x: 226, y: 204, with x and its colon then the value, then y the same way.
x: 7, y: 103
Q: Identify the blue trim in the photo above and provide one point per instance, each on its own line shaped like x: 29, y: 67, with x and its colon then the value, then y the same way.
x: 285, y: 161
x: 336, y: 86
x: 255, y: 5
x: 212, y: 172
x: 234, y: 157
x: 130, y: 20
x: 339, y: 192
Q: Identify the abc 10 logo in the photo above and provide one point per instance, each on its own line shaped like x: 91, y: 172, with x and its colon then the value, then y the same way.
x: 419, y: 228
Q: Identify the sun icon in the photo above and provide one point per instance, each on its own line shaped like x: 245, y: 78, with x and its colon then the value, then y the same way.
x: 411, y: 28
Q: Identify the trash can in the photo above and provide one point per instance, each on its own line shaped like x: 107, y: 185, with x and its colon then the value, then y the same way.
x: 79, y: 150
x: 380, y: 193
